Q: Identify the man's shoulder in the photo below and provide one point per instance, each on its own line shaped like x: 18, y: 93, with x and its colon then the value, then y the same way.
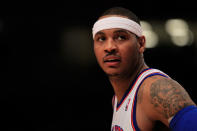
x: 152, y: 79
x: 163, y: 96
x: 155, y: 80
x: 145, y: 87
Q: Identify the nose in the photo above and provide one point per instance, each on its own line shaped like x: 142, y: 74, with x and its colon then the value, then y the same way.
x: 110, y: 46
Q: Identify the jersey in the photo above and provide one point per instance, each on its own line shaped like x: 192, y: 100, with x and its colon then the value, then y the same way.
x: 124, y: 112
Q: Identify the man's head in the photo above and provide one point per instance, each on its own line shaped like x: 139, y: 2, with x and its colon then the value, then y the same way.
x: 118, y: 42
x: 122, y: 12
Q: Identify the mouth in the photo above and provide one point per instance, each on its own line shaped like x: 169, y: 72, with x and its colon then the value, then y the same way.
x: 112, y: 61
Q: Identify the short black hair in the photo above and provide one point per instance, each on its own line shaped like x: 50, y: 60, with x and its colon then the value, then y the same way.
x: 123, y: 12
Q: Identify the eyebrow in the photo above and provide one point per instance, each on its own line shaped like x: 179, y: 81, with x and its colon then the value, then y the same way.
x: 120, y: 31
x: 125, y: 31
x: 99, y: 33
x: 116, y: 31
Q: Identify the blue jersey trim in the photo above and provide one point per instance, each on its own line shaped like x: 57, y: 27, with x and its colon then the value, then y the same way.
x: 130, y: 87
x: 135, y: 101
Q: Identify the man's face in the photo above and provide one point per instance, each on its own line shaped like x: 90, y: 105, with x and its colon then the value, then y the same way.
x: 117, y: 51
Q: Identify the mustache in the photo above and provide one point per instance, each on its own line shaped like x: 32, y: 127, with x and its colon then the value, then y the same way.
x: 111, y: 55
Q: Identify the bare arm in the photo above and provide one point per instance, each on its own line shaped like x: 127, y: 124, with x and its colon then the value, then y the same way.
x: 167, y: 97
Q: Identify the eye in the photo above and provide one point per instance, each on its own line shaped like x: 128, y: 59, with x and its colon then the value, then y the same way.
x: 100, y: 38
x: 121, y: 37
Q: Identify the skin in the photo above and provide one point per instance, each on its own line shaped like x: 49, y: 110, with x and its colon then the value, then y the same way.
x: 161, y: 97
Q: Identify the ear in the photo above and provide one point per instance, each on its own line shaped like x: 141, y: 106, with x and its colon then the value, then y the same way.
x: 142, y: 44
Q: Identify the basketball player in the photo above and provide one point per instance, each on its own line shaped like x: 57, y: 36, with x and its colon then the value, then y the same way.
x: 144, y: 97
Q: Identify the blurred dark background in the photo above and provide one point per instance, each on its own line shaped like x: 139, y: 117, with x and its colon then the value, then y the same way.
x: 50, y: 78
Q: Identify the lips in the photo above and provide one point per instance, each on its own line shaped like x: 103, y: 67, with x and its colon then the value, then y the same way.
x: 112, y: 60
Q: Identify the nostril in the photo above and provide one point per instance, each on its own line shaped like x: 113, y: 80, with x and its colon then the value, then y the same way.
x: 112, y: 51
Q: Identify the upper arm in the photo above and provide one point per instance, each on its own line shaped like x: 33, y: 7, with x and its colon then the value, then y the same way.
x: 162, y: 98
x: 166, y: 98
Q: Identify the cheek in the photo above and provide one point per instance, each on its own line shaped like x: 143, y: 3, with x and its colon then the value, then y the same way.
x: 129, y: 54
x: 98, y: 53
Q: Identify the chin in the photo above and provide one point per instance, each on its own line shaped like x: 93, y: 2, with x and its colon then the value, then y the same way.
x: 112, y: 73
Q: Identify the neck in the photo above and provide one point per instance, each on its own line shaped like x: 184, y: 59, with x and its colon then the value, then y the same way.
x: 121, y: 84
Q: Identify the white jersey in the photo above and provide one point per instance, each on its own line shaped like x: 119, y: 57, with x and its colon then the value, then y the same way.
x: 124, y: 114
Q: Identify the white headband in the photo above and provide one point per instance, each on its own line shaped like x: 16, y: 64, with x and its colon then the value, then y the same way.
x: 117, y: 22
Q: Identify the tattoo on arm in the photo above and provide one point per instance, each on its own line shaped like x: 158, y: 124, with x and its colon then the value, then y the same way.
x: 168, y: 97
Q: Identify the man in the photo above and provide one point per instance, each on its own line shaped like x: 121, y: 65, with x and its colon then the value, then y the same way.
x: 143, y: 96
